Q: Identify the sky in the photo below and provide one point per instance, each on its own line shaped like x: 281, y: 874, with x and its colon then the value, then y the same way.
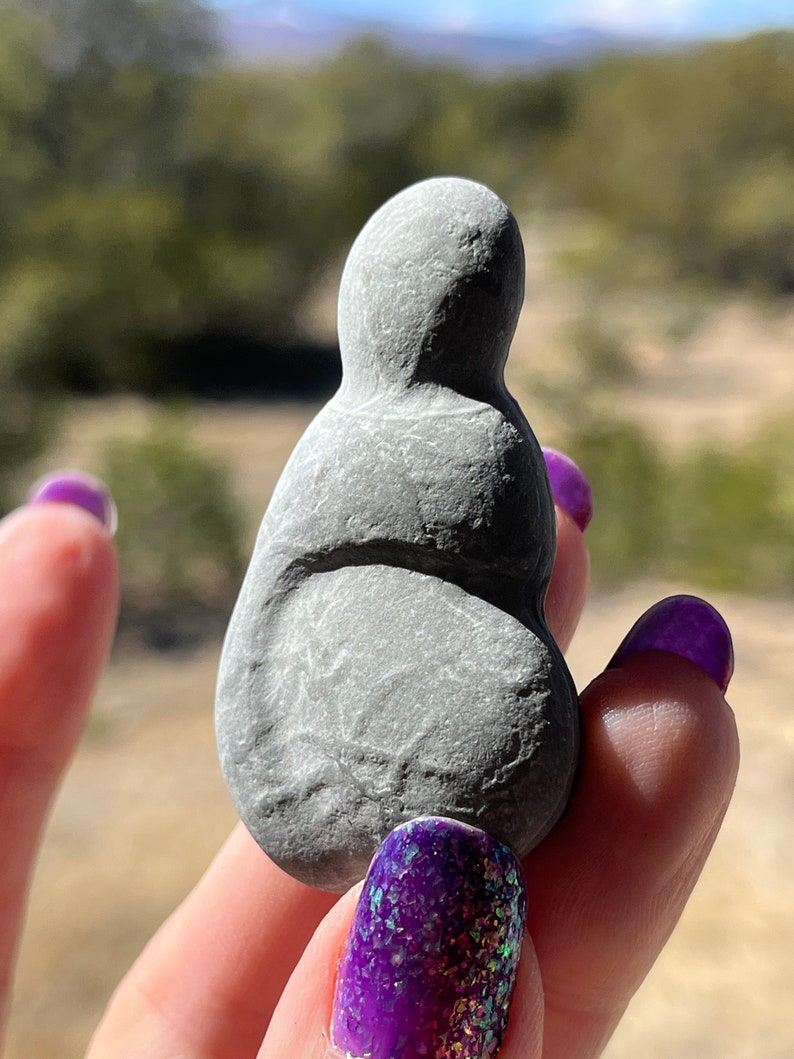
x: 677, y: 17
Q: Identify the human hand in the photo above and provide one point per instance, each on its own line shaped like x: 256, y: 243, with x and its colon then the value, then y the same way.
x: 604, y: 889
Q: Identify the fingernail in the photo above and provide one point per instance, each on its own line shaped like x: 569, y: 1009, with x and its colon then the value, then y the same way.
x: 83, y: 490
x: 686, y: 626
x: 430, y: 962
x: 569, y: 487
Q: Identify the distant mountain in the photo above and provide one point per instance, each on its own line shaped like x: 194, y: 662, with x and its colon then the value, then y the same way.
x: 285, y: 32
x: 260, y: 30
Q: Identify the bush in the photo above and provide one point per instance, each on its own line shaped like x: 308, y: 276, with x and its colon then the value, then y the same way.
x: 180, y: 534
x: 710, y: 518
x: 754, y: 226
x: 26, y: 423
x: 628, y: 535
x: 726, y: 532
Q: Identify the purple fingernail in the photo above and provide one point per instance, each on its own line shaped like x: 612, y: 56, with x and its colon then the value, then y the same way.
x: 569, y: 487
x: 430, y: 962
x: 686, y: 626
x: 75, y: 487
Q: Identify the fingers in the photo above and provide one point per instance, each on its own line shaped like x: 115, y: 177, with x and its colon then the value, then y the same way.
x: 605, y: 889
x: 300, y: 1026
x: 57, y: 615
x: 207, y: 984
x: 607, y: 886
x: 211, y: 978
x: 570, y: 581
x: 429, y: 961
x: 570, y: 578
x: 609, y: 883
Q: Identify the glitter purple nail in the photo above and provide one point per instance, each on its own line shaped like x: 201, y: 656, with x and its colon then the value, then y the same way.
x: 569, y: 487
x: 430, y: 961
x: 82, y: 490
x: 686, y: 626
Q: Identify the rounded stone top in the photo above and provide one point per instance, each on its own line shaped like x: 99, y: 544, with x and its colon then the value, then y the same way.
x: 431, y: 291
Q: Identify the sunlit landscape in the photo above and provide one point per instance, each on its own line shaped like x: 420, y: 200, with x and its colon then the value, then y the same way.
x: 173, y: 223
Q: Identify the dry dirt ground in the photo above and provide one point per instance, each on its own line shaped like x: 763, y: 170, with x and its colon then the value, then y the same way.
x: 144, y: 807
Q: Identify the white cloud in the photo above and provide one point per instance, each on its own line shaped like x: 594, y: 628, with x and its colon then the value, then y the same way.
x: 632, y: 15
x: 454, y: 16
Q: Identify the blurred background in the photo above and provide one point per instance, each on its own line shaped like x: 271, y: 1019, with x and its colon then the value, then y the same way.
x: 179, y: 184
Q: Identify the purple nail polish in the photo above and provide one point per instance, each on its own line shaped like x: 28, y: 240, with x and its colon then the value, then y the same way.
x: 75, y: 487
x: 686, y: 626
x: 430, y: 961
x: 569, y: 487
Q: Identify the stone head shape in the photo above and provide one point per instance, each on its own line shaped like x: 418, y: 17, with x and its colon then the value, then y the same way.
x: 432, y: 290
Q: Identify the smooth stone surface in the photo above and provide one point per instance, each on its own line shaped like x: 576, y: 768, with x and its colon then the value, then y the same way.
x: 387, y: 657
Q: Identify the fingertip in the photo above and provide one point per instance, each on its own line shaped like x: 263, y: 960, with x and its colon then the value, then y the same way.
x: 570, y: 580
x: 658, y: 716
x: 57, y: 615
x: 686, y: 626
x: 609, y: 883
x: 659, y: 766
x: 77, y: 489
x: 301, y: 1023
x: 60, y: 549
x: 60, y: 599
x: 569, y: 487
x: 665, y: 720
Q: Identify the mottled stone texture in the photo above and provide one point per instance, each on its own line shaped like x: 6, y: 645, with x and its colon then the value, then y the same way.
x: 388, y: 656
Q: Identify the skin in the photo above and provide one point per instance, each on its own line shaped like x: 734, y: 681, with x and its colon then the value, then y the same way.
x: 246, y: 965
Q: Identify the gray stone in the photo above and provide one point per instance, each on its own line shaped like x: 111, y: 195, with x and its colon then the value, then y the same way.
x: 388, y: 655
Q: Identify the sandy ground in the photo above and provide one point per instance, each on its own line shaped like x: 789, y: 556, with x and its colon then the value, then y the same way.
x: 144, y: 808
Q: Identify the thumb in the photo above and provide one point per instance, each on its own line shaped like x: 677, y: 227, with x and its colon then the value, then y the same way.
x: 423, y: 958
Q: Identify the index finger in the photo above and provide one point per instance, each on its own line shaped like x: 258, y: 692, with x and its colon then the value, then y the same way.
x: 57, y: 616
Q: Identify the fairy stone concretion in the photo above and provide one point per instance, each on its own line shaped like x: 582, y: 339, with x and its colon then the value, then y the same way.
x: 388, y: 656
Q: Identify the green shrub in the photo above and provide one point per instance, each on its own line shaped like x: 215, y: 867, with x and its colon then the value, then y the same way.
x: 754, y: 227
x: 724, y: 528
x: 180, y: 533
x: 27, y: 423
x: 712, y: 518
x: 627, y: 535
